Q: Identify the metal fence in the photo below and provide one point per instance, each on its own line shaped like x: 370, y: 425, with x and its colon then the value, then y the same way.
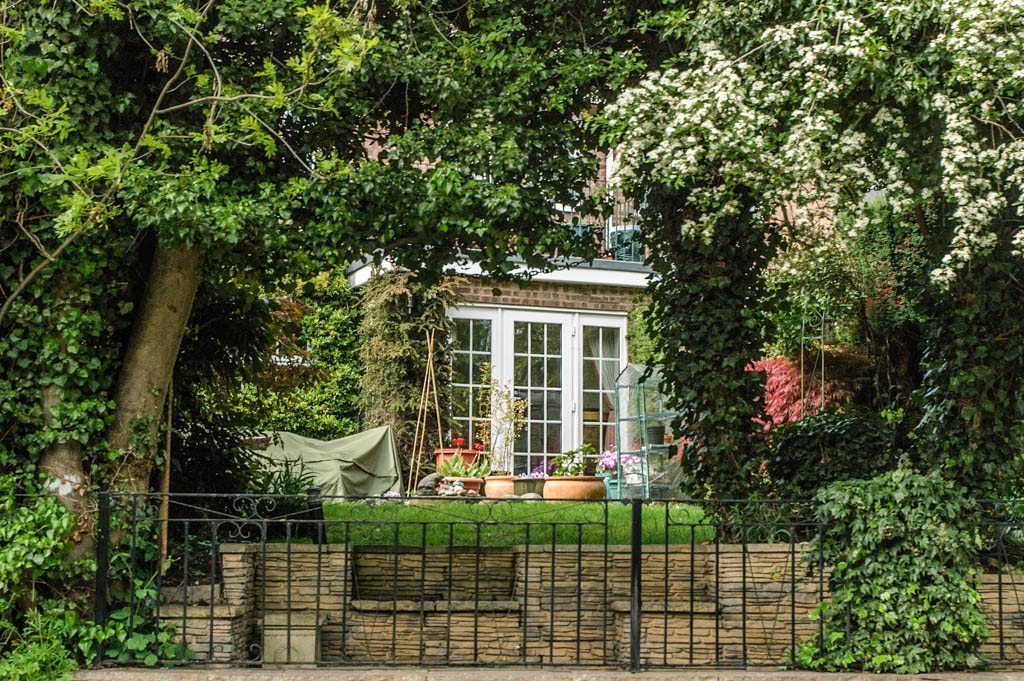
x: 268, y: 580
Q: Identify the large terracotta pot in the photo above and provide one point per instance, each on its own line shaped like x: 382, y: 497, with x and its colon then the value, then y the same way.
x: 468, y: 484
x: 497, y: 486
x: 574, y: 487
x: 442, y: 455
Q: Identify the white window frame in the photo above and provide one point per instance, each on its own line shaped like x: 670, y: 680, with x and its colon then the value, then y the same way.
x: 503, y: 321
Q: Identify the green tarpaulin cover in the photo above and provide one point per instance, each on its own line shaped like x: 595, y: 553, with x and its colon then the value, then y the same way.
x: 361, y: 465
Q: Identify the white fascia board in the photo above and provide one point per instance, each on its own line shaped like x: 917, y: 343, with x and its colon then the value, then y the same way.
x: 634, y: 277
x: 603, y: 273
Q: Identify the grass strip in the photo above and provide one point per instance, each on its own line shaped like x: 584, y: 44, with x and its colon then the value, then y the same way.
x: 505, y: 523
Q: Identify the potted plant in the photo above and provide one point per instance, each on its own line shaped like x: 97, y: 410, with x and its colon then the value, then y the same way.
x: 470, y: 475
x: 443, y: 454
x: 531, y: 483
x: 507, y: 415
x: 607, y: 469
x: 574, y: 476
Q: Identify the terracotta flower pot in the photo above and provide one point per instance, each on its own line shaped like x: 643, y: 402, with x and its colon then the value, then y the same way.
x: 574, y: 487
x: 442, y: 455
x: 497, y: 486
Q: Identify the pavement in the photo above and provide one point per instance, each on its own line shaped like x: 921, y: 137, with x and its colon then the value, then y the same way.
x: 499, y: 674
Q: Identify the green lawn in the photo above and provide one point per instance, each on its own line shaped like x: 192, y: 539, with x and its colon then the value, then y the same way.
x: 458, y: 523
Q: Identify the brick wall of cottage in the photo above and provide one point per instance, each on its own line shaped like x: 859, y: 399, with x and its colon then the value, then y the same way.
x: 591, y: 298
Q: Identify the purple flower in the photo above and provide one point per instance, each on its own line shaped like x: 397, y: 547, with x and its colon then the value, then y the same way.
x: 609, y: 460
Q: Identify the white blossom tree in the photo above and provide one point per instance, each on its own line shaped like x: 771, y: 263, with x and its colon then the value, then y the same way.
x: 797, y: 118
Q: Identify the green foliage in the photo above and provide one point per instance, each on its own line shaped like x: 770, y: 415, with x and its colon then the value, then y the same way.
x: 579, y: 461
x: 904, y: 581
x: 273, y: 139
x: 704, y: 299
x: 640, y: 339
x: 132, y: 633
x: 310, y: 386
x: 973, y: 388
x: 823, y: 448
x: 399, y: 312
x: 40, y: 653
x: 456, y: 467
x: 43, y: 632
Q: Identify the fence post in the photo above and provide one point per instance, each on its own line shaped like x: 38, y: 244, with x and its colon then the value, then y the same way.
x: 635, y: 581
x: 315, y: 514
x: 102, y: 567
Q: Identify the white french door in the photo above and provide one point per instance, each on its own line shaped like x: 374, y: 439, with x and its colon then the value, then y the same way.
x: 562, y: 363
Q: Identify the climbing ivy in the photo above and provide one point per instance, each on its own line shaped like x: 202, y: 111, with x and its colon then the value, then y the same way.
x: 904, y: 586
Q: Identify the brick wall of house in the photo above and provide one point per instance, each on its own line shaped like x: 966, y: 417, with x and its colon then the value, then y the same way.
x: 591, y: 298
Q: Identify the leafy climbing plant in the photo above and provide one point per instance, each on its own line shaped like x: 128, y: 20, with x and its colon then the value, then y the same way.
x: 904, y: 583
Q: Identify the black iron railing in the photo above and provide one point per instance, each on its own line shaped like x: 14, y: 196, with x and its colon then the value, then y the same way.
x: 253, y: 580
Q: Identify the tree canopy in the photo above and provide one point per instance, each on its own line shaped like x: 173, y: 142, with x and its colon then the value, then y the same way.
x: 152, y: 150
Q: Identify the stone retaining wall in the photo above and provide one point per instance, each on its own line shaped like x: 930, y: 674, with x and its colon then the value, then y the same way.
x: 539, y: 605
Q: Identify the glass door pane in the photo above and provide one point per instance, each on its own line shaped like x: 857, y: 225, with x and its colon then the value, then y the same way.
x: 471, y: 355
x: 600, y: 367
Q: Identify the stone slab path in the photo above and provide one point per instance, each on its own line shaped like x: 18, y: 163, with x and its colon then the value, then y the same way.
x: 492, y: 674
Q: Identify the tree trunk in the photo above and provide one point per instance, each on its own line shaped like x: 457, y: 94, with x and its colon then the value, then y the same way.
x: 149, y: 361
x: 60, y: 465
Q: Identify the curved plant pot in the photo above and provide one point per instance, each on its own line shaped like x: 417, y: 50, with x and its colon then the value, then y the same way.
x: 523, y: 486
x: 574, y: 487
x: 497, y: 486
x: 468, y: 484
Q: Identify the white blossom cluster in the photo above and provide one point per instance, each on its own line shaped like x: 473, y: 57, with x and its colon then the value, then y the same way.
x: 914, y: 101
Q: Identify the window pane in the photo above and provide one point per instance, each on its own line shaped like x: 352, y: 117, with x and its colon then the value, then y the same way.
x: 482, y: 335
x: 554, y: 373
x: 536, y: 437
x: 610, y: 343
x: 460, y: 334
x: 536, y: 372
x: 554, y: 407
x: 554, y: 438
x: 520, y: 331
x: 554, y: 339
x: 591, y: 381
x: 479, y: 427
x: 591, y: 341
x: 460, y: 368
x: 537, y: 339
x: 519, y: 371
x: 592, y: 436
x: 479, y: 360
x: 460, y: 402
x: 537, y: 404
x: 460, y: 428
x: 521, y: 439
x: 610, y: 370
x: 480, y: 406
